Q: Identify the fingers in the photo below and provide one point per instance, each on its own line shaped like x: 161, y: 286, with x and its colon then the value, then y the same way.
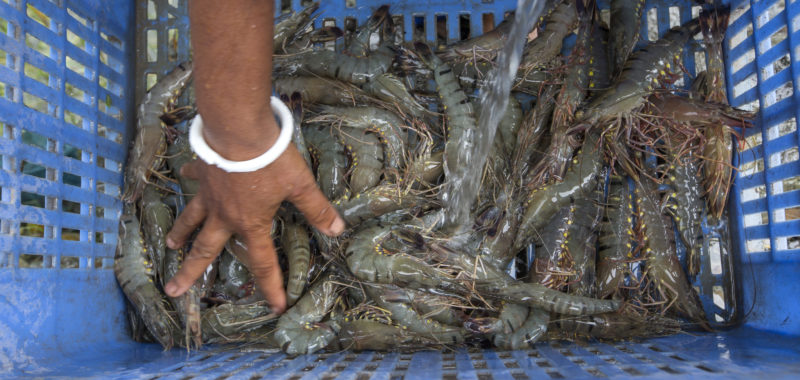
x: 317, y: 209
x: 205, y: 249
x: 191, y: 218
x: 266, y: 270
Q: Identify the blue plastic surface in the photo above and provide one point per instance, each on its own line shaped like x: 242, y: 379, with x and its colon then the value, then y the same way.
x: 75, y: 125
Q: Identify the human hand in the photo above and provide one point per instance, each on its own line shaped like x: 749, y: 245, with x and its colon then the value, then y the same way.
x: 244, y: 204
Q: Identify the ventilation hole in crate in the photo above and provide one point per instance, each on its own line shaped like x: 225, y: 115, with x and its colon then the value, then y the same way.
x: 6, y: 91
x: 37, y: 74
x: 70, y: 234
x: 534, y: 354
x: 99, y: 212
x: 674, y: 17
x: 152, y: 45
x: 555, y: 375
x: 791, y: 213
x: 79, y: 41
x: 479, y: 365
x: 567, y: 353
x: 786, y: 185
x: 718, y: 296
x: 783, y: 157
x: 756, y: 192
x: 112, y: 63
x: 31, y: 261
x: 418, y: 34
x: 70, y: 262
x: 757, y: 245
x: 487, y: 20
x: 109, y: 110
x: 745, y: 85
x: 350, y: 24
x: 579, y: 361
x: 350, y: 358
x: 775, y: 67
x: 98, y: 237
x: 370, y: 367
x: 70, y: 207
x: 109, y: 85
x: 449, y: 376
x: 31, y: 169
x: 112, y: 39
x: 677, y: 357
x: 5, y: 59
x: 172, y: 40
x: 32, y: 199
x: 632, y: 371
x: 31, y: 230
x: 441, y: 31
x: 610, y: 360
x: 669, y: 370
x: 71, y: 179
x: 699, y: 61
x: 706, y: 368
x: 339, y: 368
x: 36, y: 103
x: 652, y: 24
x: 756, y: 219
x: 543, y: 363
x: 37, y: 15
x: 752, y: 167
x: 82, y: 20
x: 72, y: 151
x: 7, y: 28
x: 519, y: 376
x: 463, y: 26
x: 308, y: 368
x: 401, y: 367
x: 152, y: 12
x: 781, y: 129
x: 484, y: 376
x: 40, y: 46
x: 108, y: 188
x: 448, y: 365
x: 363, y: 376
x: 476, y: 356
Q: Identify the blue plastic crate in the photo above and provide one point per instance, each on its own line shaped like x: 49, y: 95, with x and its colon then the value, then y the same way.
x: 70, y: 74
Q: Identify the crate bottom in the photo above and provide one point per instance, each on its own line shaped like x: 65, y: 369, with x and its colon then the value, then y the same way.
x: 740, y: 353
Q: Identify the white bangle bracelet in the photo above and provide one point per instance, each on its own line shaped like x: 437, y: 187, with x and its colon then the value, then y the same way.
x: 209, y: 156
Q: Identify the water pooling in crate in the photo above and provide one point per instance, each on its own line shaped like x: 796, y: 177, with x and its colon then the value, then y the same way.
x: 463, y: 180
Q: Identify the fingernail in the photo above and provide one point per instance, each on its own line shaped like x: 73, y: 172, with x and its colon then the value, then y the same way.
x: 171, y: 243
x: 171, y: 289
x: 337, y: 227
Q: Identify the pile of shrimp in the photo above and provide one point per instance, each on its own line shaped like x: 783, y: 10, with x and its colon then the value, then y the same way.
x: 585, y: 198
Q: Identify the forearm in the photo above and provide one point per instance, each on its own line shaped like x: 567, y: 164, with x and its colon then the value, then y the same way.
x: 232, y: 48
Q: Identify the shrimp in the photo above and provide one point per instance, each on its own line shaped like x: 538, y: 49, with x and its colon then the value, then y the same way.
x: 613, y: 326
x: 626, y: 17
x: 379, y: 23
x: 581, y: 242
x: 531, y: 331
x: 331, y: 159
x: 287, y: 28
x: 330, y: 64
x: 179, y: 153
x: 686, y: 208
x: 544, y: 202
x: 135, y: 276
x: 295, y: 102
x: 366, y: 158
x: 150, y: 142
x: 616, y: 241
x: 295, y: 241
x: 365, y: 334
x: 558, y: 25
x: 299, y: 330
x: 234, y: 276
x: 156, y: 222
x: 318, y: 90
x: 380, y: 200
x: 227, y: 322
x: 662, y: 263
x: 533, y: 128
x: 485, y: 45
x: 390, y: 89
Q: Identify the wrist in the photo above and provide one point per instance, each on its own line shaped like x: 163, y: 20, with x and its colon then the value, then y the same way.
x: 241, y: 137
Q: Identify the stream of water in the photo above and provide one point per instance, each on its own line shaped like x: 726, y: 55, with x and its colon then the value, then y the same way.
x: 463, y: 182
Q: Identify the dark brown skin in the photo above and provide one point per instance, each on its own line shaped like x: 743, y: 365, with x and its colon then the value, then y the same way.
x: 232, y: 47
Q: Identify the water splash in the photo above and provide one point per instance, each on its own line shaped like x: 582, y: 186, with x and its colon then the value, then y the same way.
x: 463, y: 181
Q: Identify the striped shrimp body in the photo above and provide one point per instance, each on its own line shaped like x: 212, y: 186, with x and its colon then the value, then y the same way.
x: 531, y: 331
x: 573, y: 92
x: 390, y: 128
x: 558, y: 25
x: 331, y: 159
x: 616, y: 241
x: 458, y: 109
x: 640, y: 75
x: 156, y: 222
x: 511, y: 317
x: 179, y: 153
x: 299, y: 330
x: 405, y: 316
x: 686, y: 209
x: 295, y: 103
x: 150, y: 142
x: 318, y: 90
x: 553, y: 263
x: 330, y: 64
x: 135, y: 276
x: 379, y: 23
x: 534, y: 125
x: 366, y: 334
x: 390, y: 89
x: 380, y: 200
x: 234, y: 276
x: 366, y: 158
x: 662, y: 263
x: 369, y: 261
x: 581, y: 244
x: 626, y: 17
x: 613, y: 326
x: 506, y: 137
x: 485, y: 46
x: 228, y: 322
x: 288, y: 27
x: 295, y: 241
x: 544, y: 202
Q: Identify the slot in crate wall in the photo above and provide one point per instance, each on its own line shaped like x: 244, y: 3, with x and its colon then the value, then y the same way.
x: 67, y: 111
